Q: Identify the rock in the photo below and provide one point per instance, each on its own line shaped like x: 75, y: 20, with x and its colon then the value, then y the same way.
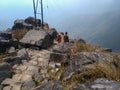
x: 53, y: 33
x: 5, y: 36
x: 38, y: 77
x: 52, y: 64
x: 81, y: 40
x: 5, y: 71
x: 4, y: 75
x: 13, y: 60
x: 108, y: 50
x: 7, y: 88
x: 11, y: 50
x: 23, y: 54
x: 5, y: 67
x: 20, y: 24
x: 36, y: 38
x: 55, y: 85
x: 24, y: 80
x: 99, y: 84
x: 28, y: 83
x: 59, y: 57
x: 80, y: 61
x: 7, y: 82
x: 31, y: 20
x: 63, y: 47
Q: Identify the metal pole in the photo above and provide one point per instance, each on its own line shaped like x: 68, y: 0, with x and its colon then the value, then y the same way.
x: 42, y: 14
x: 35, y: 12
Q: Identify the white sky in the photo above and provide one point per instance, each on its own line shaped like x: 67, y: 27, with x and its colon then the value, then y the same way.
x: 57, y: 11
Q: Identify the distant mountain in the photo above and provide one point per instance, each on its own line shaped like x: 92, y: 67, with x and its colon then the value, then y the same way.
x: 100, y: 29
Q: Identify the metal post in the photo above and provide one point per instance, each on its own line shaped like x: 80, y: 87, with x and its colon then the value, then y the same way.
x: 42, y: 14
x: 34, y: 6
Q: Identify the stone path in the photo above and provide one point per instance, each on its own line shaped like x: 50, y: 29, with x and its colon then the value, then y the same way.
x: 29, y: 72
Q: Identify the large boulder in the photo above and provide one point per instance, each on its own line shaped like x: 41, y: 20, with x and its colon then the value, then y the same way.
x: 28, y: 23
x: 38, y: 38
x: 63, y: 47
x: 31, y: 20
x: 20, y: 24
x: 99, y: 84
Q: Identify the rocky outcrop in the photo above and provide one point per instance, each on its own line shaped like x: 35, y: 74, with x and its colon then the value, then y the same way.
x: 28, y: 23
x: 84, y: 61
x: 36, y: 38
x: 99, y: 84
x: 5, y: 36
x: 63, y: 47
x: 55, y: 85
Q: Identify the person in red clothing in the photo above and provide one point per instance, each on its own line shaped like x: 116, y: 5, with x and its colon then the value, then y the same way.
x: 59, y: 38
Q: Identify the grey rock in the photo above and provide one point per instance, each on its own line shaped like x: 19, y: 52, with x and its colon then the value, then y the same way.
x: 5, y: 71
x: 63, y: 47
x: 21, y: 24
x: 108, y: 50
x: 31, y: 20
x: 53, y: 33
x: 11, y: 50
x: 99, y: 84
x: 55, y: 85
x: 5, y: 67
x: 23, y: 54
x: 39, y: 38
x: 5, y: 35
x: 13, y: 60
x: 7, y: 88
x: 28, y: 83
x: 7, y: 82
x: 79, y: 61
x: 59, y: 57
x: 4, y: 75
x: 38, y: 77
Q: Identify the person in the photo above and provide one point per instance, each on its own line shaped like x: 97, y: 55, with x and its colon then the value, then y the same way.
x: 62, y: 37
x: 59, y: 38
x: 66, y: 37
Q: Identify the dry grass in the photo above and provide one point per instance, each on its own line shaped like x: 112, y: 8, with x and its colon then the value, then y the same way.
x: 19, y: 34
x: 3, y: 55
x: 81, y: 47
x: 99, y: 71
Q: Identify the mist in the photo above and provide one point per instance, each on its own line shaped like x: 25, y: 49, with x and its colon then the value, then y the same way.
x: 64, y: 15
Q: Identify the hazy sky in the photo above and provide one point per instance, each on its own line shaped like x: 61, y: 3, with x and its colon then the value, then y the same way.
x: 55, y: 11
